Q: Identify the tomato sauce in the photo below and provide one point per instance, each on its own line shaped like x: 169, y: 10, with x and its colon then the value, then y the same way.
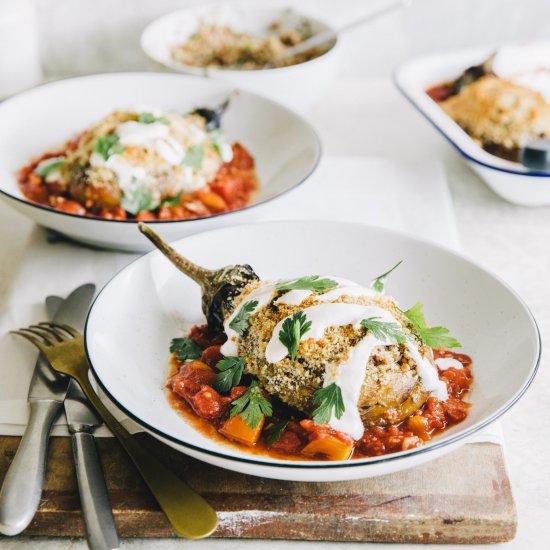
x: 190, y: 392
x: 231, y: 189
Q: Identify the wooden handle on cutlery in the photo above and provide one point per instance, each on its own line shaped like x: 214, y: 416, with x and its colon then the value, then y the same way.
x: 22, y: 487
x: 190, y: 515
x: 98, y: 516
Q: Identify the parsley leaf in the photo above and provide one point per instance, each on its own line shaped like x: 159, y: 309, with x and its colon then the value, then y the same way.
x: 194, y: 156
x: 185, y: 348
x: 138, y: 199
x: 46, y: 167
x: 433, y: 337
x: 292, y: 330
x: 274, y: 433
x: 172, y: 201
x: 310, y: 282
x: 252, y: 406
x: 108, y: 145
x: 231, y: 372
x: 149, y: 118
x: 378, y: 283
x: 328, y: 399
x: 240, y: 323
x: 384, y: 330
x: 218, y: 141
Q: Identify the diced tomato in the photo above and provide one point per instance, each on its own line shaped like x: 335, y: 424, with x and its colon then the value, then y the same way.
x: 66, y: 205
x: 288, y: 443
x: 211, y: 355
x: 203, y: 338
x: 236, y: 392
x: 116, y: 213
x: 145, y: 216
x: 209, y: 404
x: 455, y: 409
x: 458, y: 380
x: 191, y: 378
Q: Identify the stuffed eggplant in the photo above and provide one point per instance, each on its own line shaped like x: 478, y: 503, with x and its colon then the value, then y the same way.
x: 337, y: 354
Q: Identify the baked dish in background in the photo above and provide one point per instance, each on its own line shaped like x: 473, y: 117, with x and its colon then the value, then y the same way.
x: 504, y: 102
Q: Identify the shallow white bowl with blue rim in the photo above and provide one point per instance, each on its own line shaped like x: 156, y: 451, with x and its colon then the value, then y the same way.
x: 149, y: 302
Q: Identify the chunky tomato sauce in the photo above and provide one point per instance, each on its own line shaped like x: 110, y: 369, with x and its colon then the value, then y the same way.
x: 191, y: 393
x: 232, y: 188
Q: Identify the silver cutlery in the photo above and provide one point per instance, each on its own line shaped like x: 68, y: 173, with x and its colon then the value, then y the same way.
x: 22, y: 487
x: 96, y: 508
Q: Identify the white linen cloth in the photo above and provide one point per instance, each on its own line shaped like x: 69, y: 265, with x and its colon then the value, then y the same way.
x: 375, y: 191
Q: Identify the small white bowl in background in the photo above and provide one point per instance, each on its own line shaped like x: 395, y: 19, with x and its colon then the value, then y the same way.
x: 149, y: 302
x: 285, y: 147
x: 296, y: 86
x: 511, y: 180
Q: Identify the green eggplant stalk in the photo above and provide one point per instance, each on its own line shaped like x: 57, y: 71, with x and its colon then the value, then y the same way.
x: 219, y: 287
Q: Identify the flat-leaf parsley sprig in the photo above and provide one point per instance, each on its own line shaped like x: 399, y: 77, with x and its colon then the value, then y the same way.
x: 292, y: 331
x: 275, y: 432
x: 379, y: 283
x: 231, y: 372
x: 433, y: 337
x: 252, y: 406
x: 240, y: 322
x: 329, y: 403
x: 185, y: 349
x: 310, y: 282
x: 383, y: 330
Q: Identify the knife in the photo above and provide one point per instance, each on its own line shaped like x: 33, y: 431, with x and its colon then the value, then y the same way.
x: 94, y: 498
x: 22, y: 487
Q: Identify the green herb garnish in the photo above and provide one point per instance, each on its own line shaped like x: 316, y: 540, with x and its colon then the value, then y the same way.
x: 384, y: 330
x: 240, y: 323
x: 292, y: 331
x: 218, y: 141
x: 172, y: 201
x: 252, y: 406
x: 433, y: 337
x: 275, y: 432
x: 194, y: 156
x: 47, y: 167
x: 329, y: 402
x: 185, y: 348
x: 108, y: 145
x: 138, y: 199
x: 379, y: 283
x: 231, y: 371
x: 149, y: 118
x: 310, y: 282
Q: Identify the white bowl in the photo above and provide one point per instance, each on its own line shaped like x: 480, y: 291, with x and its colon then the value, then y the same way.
x: 511, y: 180
x: 296, y: 86
x: 136, y: 315
x: 285, y: 147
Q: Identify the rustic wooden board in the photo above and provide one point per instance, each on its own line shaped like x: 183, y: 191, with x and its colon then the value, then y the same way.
x: 464, y: 497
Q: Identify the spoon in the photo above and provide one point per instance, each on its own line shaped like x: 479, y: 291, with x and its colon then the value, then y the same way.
x: 536, y: 155
x: 325, y: 36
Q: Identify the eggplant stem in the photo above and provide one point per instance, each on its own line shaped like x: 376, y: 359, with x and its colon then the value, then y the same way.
x: 199, y: 274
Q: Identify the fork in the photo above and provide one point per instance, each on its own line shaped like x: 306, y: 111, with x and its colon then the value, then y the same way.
x: 190, y: 515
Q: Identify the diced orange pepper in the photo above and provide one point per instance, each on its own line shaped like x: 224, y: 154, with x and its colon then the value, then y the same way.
x: 236, y: 428
x: 200, y: 365
x: 213, y: 201
x: 418, y: 425
x: 329, y: 446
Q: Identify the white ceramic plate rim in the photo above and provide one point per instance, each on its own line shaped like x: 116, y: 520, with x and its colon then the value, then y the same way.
x: 317, y: 144
x: 269, y: 462
x: 201, y: 71
x: 451, y: 131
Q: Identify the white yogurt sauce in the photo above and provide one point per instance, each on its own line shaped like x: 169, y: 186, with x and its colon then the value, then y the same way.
x: 349, y: 374
x: 525, y: 64
x: 445, y: 363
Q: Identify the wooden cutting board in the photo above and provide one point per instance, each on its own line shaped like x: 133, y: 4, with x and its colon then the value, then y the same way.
x: 463, y: 497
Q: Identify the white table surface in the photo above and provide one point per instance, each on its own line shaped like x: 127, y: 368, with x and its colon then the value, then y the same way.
x: 361, y: 116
